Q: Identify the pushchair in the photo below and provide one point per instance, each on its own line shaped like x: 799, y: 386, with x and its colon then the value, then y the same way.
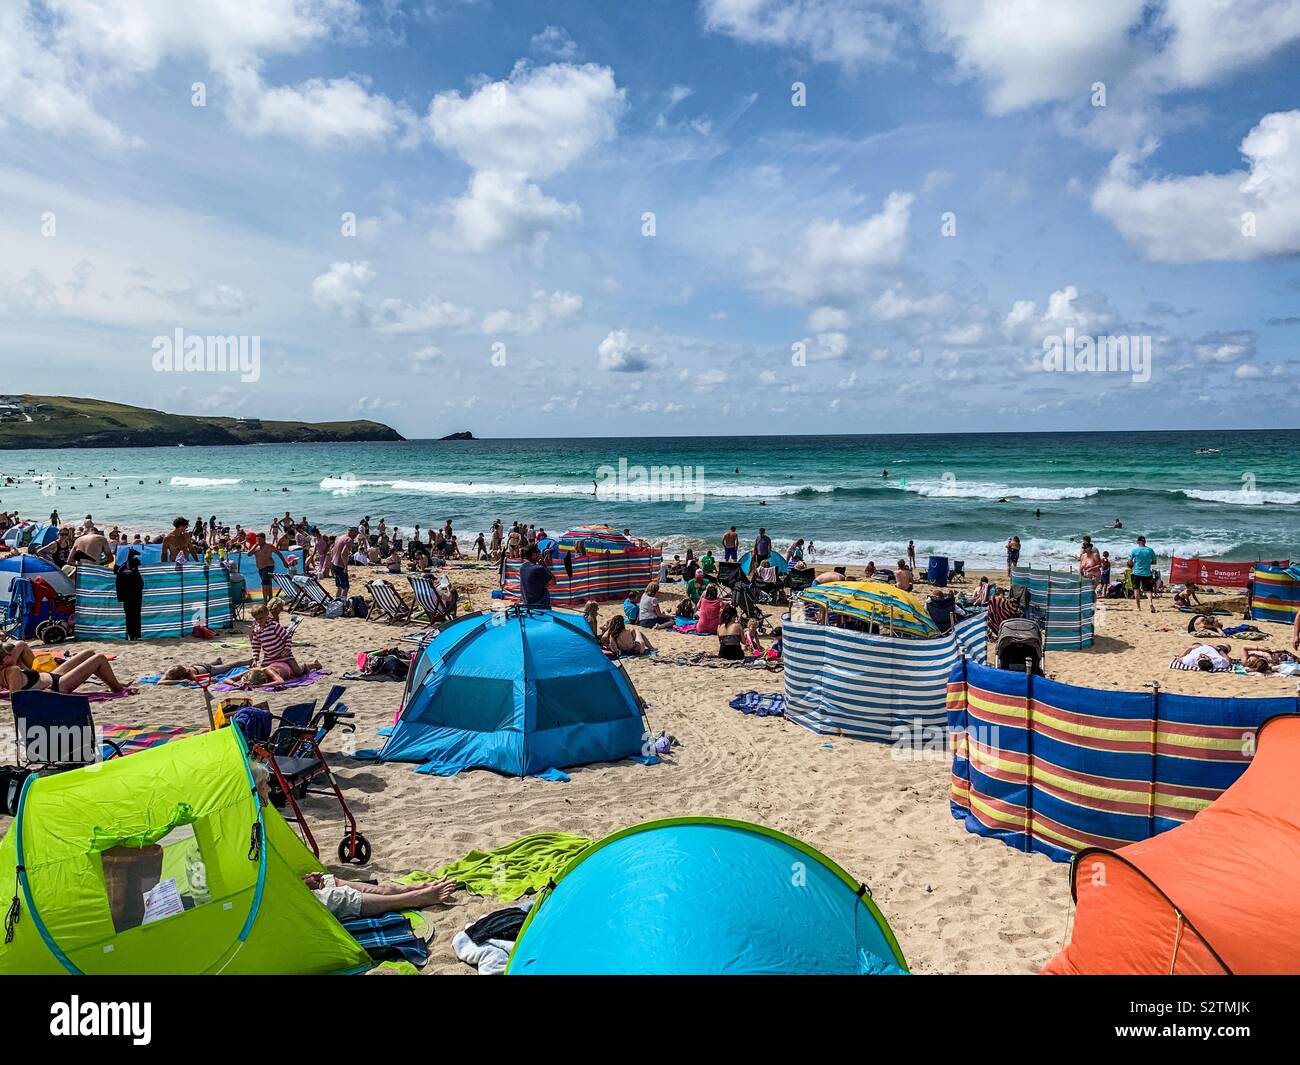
x: 1020, y: 646
x: 290, y: 748
x: 747, y: 607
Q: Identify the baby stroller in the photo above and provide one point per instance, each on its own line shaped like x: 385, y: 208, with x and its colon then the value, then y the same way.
x: 746, y: 604
x: 1020, y: 646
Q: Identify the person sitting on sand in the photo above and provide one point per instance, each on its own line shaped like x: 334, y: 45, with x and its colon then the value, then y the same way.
x: 730, y: 632
x: 190, y: 673
x: 271, y: 641
x: 903, y: 577
x: 1207, y: 657
x: 650, y: 614
x: 870, y: 572
x: 620, y: 639
x: 708, y: 612
x: 591, y: 611
x: 752, y: 640
x: 708, y: 563
x: 695, y: 586
x: 1186, y: 597
x: 984, y: 593
x: 18, y: 674
x: 631, y: 608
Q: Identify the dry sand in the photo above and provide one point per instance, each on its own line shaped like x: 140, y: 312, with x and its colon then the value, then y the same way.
x: 958, y: 903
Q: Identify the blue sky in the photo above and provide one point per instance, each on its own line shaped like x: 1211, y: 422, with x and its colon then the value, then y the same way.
x: 499, y: 159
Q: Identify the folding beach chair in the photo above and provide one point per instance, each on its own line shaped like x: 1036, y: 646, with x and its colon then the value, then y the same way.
x: 314, y: 597
x: 391, y: 606
x: 958, y: 574
x: 289, y: 591
x: 728, y: 573
x: 56, y: 732
x: 801, y: 579
x: 435, y: 608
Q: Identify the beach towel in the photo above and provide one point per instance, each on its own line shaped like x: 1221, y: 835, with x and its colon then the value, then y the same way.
x: 1178, y: 663
x: 525, y: 865
x: 389, y: 935
x: 760, y: 704
x: 486, y: 943
x: 707, y: 660
x: 219, y: 678
x: 293, y: 682
x: 131, y: 738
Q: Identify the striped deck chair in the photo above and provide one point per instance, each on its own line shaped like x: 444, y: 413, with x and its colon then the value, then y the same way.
x: 390, y: 605
x: 287, y: 589
x: 315, y: 598
x: 436, y: 610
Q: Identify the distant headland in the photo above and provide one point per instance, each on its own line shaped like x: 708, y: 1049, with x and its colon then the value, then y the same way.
x: 63, y: 421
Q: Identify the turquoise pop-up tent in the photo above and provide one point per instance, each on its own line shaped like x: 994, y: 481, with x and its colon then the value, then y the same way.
x: 525, y: 692
x: 704, y: 896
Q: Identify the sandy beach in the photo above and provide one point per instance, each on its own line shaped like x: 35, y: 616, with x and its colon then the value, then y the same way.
x: 958, y: 903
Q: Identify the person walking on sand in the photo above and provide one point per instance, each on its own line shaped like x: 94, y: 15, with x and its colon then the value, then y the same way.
x: 1143, y: 559
x: 911, y: 555
x: 264, y: 556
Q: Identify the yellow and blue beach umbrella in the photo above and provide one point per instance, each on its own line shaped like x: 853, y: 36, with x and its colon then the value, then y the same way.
x: 894, y: 610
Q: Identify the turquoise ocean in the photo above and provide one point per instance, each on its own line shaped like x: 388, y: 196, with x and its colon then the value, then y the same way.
x: 1225, y: 494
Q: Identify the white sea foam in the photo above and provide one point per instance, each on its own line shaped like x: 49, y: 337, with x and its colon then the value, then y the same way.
x: 1241, y: 497
x: 204, y: 482
x: 958, y: 489
x: 609, y: 490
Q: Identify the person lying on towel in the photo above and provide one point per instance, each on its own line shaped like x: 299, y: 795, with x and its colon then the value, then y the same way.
x: 190, y: 672
x: 1207, y: 657
x: 17, y: 672
x: 274, y: 673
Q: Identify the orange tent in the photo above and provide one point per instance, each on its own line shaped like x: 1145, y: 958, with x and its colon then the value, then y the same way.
x: 1215, y: 895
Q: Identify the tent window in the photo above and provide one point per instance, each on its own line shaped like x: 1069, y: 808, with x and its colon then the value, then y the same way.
x: 154, y: 882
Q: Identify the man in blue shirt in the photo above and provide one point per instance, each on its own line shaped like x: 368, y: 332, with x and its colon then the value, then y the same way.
x: 762, y: 548
x: 1143, y: 579
x: 534, y: 580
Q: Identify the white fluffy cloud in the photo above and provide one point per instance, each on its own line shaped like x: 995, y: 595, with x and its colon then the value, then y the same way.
x: 534, y: 124
x: 832, y: 258
x: 544, y: 311
x: 340, y: 111
x: 618, y: 354
x: 848, y: 32
x: 1246, y: 214
x: 55, y: 55
x: 342, y: 290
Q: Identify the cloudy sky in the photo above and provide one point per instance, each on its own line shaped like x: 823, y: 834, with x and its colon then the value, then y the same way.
x: 565, y: 218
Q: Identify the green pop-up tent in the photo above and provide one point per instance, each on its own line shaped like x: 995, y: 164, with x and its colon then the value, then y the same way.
x: 163, y: 862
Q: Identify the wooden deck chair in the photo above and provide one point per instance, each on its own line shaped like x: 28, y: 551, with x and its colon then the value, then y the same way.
x: 391, y: 606
x: 435, y: 608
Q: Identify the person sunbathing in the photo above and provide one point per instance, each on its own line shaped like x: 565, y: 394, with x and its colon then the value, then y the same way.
x: 1263, y: 659
x: 274, y: 673
x: 1207, y: 657
x: 349, y: 899
x: 190, y: 673
x: 66, y: 678
x: 622, y: 639
x: 1205, y: 625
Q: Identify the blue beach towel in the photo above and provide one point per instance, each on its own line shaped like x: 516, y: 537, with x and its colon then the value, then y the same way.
x: 387, y: 934
x: 760, y: 704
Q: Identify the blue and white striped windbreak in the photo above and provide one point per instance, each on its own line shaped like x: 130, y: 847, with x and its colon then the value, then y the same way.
x: 844, y: 683
x: 176, y: 598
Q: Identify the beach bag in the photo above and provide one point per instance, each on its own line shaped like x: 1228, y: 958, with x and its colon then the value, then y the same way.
x: 335, y: 608
x: 11, y: 786
x: 358, y: 607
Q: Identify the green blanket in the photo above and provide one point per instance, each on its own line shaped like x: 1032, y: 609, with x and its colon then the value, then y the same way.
x: 508, y: 872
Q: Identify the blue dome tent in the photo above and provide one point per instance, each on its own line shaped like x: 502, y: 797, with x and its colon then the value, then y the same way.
x: 776, y: 558
x: 704, y: 896
x: 524, y: 692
